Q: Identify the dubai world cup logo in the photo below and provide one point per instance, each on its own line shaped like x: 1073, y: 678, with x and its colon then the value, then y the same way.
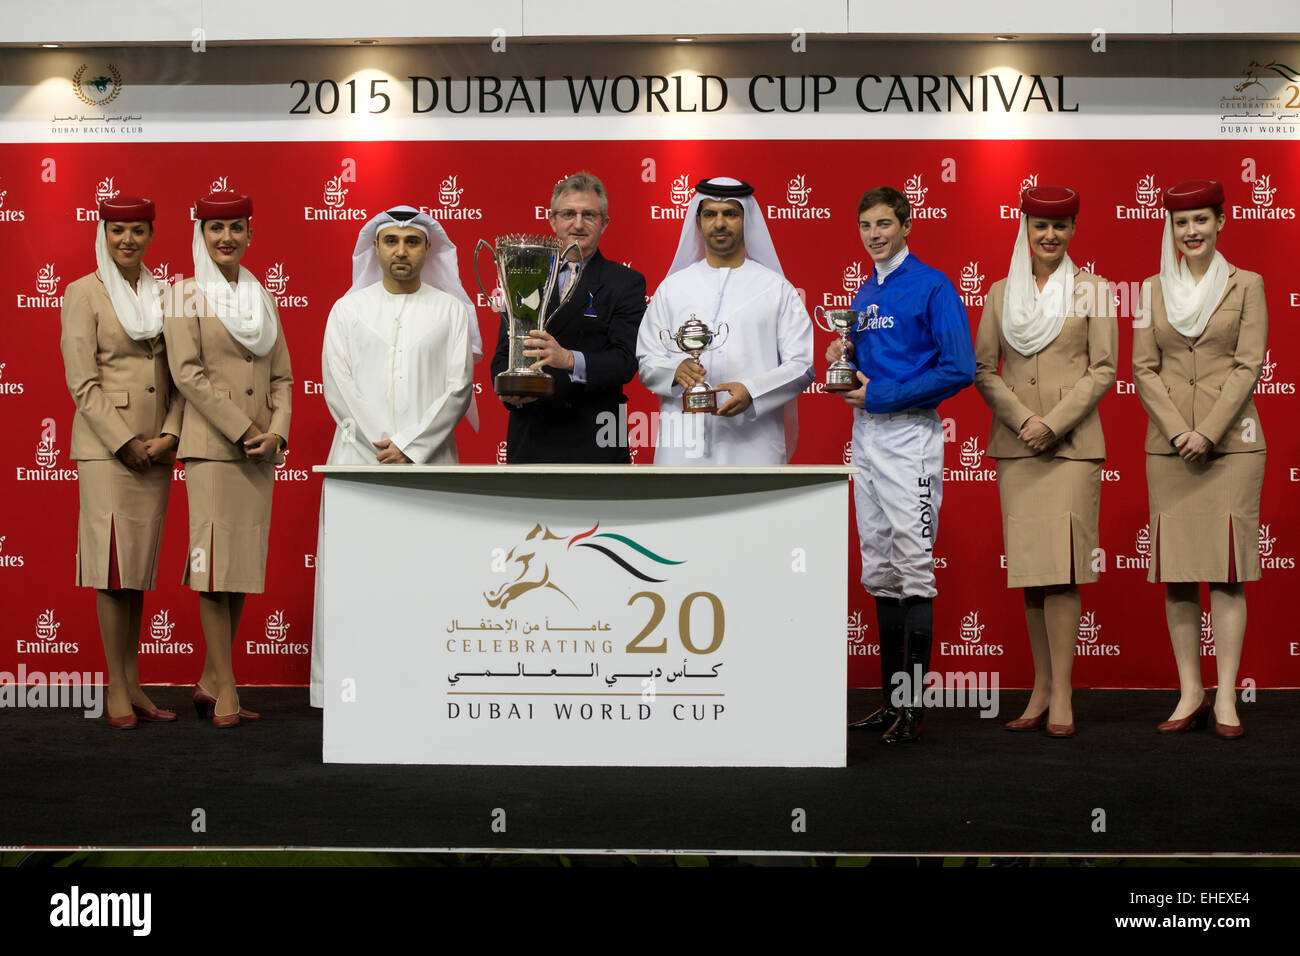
x: 277, y: 628
x: 1143, y: 544
x: 1147, y: 193
x: 971, y: 453
x: 914, y: 191
x: 161, y: 627
x: 1262, y: 193
x: 971, y: 629
x: 1089, y: 629
x: 852, y: 277
x: 680, y: 192
x: 47, y: 281
x: 334, y: 194
x: 971, y: 278
x: 797, y: 192
x: 106, y: 190
x: 97, y: 87
x: 276, y: 280
x: 449, y: 192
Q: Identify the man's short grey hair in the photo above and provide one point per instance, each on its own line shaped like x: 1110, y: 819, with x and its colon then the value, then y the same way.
x: 580, y: 182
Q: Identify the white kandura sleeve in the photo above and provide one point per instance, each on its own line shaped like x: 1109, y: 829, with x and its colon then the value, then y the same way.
x: 657, y: 362
x: 771, y: 389
x: 356, y: 415
x: 421, y: 441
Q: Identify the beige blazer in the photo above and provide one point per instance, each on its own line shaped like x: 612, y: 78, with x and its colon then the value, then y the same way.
x: 226, y: 387
x: 1062, y: 384
x: 122, y: 387
x: 1204, y: 384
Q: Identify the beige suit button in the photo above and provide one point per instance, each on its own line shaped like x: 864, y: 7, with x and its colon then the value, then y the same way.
x: 148, y: 355
x: 1191, y: 348
x: 248, y: 392
x: 1033, y: 381
x: 148, y: 388
x: 1191, y: 381
x: 248, y: 358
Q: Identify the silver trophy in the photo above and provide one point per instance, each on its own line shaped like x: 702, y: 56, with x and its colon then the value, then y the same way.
x: 695, y: 338
x: 526, y: 270
x: 841, y: 375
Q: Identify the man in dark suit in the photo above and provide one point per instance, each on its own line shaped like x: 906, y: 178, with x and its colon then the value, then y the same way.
x: 588, y: 347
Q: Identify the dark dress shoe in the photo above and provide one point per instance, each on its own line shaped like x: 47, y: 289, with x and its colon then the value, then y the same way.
x: 906, y: 729
x: 882, y: 719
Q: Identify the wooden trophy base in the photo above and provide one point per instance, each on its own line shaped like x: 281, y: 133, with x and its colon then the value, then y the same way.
x: 524, y: 384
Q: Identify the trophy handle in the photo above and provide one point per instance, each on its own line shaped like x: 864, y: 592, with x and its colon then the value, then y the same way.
x: 720, y: 337
x: 568, y: 293
x: 474, y: 262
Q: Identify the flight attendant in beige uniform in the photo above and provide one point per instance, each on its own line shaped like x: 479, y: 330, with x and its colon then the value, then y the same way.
x: 124, y: 439
x: 230, y: 362
x: 1050, y: 326
x: 1195, y: 367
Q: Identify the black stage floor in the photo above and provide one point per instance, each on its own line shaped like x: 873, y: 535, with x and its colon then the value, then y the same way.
x: 966, y: 788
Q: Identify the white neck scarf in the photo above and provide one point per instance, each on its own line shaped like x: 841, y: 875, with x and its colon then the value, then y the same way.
x: 139, y: 310
x: 245, y: 310
x: 1188, y: 303
x: 883, y: 270
x: 1032, y: 319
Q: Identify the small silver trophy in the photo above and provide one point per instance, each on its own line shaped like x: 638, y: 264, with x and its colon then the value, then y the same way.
x: 841, y: 375
x: 526, y: 270
x: 695, y: 338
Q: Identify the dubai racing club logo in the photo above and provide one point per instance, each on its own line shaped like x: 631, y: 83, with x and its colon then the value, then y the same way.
x: 541, y: 558
x: 971, y: 283
x: 97, y: 87
x: 1147, y: 194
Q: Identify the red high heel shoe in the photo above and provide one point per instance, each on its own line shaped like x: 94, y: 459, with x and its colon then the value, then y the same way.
x: 1026, y: 723
x: 1200, y: 717
x: 205, y: 704
x: 156, y: 714
x: 129, y: 722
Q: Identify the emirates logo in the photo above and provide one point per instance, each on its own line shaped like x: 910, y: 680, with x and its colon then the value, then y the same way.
x: 797, y: 192
x: 276, y: 280
x: 1207, y: 628
x: 106, y: 190
x: 971, y: 629
x: 1266, y: 542
x: 334, y: 194
x: 1147, y: 193
x: 681, y: 192
x: 1143, y: 543
x: 852, y: 277
x: 914, y: 191
x: 449, y: 192
x: 1262, y: 193
x: 277, y: 628
x: 47, y: 455
x: 857, y: 628
x: 161, y: 627
x: 971, y: 453
x: 971, y: 278
x: 47, y: 627
x: 1029, y: 182
x: 219, y: 185
x: 1266, y: 370
x: 1089, y: 629
x: 47, y: 281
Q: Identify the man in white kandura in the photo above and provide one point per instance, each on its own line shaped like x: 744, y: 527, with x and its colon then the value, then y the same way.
x: 398, y: 362
x: 726, y: 271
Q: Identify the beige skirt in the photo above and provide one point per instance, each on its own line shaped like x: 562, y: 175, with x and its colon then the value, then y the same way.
x: 1205, y: 518
x: 120, y: 525
x: 230, y: 521
x: 1050, y: 509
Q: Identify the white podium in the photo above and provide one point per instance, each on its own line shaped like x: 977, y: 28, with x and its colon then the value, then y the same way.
x: 585, y: 615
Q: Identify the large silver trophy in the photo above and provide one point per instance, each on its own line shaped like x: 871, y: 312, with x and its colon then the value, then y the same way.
x: 841, y: 375
x: 695, y: 338
x: 526, y: 270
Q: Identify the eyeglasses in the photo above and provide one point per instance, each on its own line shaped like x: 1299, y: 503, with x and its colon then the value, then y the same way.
x: 588, y: 215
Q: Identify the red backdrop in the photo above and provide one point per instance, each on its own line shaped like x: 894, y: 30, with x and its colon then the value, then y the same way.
x: 304, y: 231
